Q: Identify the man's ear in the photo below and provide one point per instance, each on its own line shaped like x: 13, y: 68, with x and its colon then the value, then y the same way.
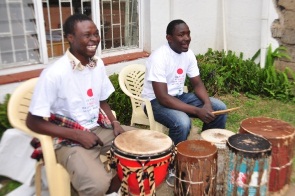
x: 70, y: 38
x: 169, y: 38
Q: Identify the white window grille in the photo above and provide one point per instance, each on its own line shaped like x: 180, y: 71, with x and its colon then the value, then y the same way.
x: 18, y: 34
x: 119, y: 24
x: 19, y: 45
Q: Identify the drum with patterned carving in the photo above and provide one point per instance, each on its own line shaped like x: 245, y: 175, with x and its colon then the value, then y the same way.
x: 142, y: 158
x: 219, y: 138
x: 282, y: 137
x: 249, y: 162
x: 196, y: 167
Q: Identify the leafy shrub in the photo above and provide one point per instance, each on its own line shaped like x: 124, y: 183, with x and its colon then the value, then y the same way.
x: 225, y: 72
x: 4, y: 123
x: 120, y: 102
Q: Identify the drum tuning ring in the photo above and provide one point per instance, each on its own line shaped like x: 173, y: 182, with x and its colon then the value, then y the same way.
x: 113, y: 165
x: 142, y: 163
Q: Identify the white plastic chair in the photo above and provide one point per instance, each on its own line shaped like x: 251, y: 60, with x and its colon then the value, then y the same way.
x: 131, y: 79
x: 57, y: 177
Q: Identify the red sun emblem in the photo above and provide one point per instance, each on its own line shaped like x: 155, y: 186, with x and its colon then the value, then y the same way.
x: 89, y: 92
x: 179, y: 71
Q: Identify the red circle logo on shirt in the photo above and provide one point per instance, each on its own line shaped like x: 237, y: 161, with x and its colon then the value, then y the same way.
x: 179, y: 71
x: 89, y: 92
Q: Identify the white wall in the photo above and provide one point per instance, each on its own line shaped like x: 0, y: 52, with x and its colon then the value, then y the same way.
x: 204, y: 20
x: 243, y: 20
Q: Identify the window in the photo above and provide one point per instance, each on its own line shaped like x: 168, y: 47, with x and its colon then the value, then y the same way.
x: 119, y: 24
x: 21, y: 42
x: 18, y: 35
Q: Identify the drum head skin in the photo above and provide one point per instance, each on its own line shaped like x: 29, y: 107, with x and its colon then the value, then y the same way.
x: 249, y: 145
x: 267, y: 127
x: 143, y: 142
x: 216, y: 135
x: 196, y: 148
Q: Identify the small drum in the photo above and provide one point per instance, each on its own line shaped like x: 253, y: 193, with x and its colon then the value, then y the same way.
x: 142, y: 158
x: 248, y: 169
x: 196, y: 167
x: 219, y: 138
x: 281, y: 136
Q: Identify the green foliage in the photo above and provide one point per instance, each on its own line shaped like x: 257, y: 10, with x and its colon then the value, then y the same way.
x: 278, y: 53
x: 120, y: 102
x: 9, y: 185
x: 225, y: 72
x: 4, y: 123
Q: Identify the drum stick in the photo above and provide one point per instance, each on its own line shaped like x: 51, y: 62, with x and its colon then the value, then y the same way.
x: 225, y: 111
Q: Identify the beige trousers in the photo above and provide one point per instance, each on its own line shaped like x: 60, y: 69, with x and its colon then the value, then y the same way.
x: 87, y: 173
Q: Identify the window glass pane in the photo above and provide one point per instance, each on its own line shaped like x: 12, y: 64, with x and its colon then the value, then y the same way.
x: 7, y: 58
x: 3, y: 10
x: 18, y: 36
x: 6, y: 44
x: 4, y: 27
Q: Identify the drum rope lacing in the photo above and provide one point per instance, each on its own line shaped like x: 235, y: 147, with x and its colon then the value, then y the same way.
x: 142, y: 173
x: 283, y: 167
x: 191, y: 182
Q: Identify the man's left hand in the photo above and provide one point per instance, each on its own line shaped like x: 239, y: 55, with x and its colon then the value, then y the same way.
x: 117, y: 129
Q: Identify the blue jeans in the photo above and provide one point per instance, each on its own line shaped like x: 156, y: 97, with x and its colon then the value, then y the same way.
x: 179, y: 123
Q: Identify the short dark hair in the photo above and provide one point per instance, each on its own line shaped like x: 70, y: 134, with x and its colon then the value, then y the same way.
x: 69, y: 25
x: 172, y: 24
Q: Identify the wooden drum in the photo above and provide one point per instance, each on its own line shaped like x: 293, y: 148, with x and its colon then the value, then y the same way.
x: 248, y: 168
x: 281, y: 136
x: 142, y: 158
x: 219, y: 138
x: 196, y: 165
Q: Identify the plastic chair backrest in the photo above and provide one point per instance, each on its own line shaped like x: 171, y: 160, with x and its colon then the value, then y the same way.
x: 57, y: 177
x: 132, y: 76
x: 131, y: 80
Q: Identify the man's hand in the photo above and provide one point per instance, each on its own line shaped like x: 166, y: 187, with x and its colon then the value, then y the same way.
x: 117, y: 128
x: 87, y: 139
x: 205, y: 114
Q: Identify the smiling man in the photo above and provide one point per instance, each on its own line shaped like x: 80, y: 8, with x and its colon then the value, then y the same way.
x: 70, y: 93
x: 166, y: 71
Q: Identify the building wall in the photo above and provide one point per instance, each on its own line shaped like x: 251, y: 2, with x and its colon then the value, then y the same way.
x: 242, y: 23
x: 283, y: 30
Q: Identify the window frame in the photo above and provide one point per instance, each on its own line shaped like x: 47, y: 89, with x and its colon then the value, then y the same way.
x: 41, y: 34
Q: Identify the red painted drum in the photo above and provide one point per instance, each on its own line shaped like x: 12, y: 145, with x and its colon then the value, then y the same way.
x: 219, y: 138
x: 196, y: 167
x: 281, y: 135
x: 142, y: 158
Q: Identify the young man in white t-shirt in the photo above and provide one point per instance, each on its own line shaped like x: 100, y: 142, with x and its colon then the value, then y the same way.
x: 74, y: 88
x: 166, y: 71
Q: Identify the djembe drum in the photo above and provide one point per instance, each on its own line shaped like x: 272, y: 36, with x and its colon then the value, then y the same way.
x: 248, y: 169
x: 142, y: 158
x: 196, y: 165
x: 281, y: 136
x: 219, y: 138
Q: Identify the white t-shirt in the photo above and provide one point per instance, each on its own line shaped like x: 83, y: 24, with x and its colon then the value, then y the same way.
x: 166, y: 66
x: 71, y: 93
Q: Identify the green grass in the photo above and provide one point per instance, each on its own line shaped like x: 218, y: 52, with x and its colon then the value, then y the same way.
x: 253, y: 107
